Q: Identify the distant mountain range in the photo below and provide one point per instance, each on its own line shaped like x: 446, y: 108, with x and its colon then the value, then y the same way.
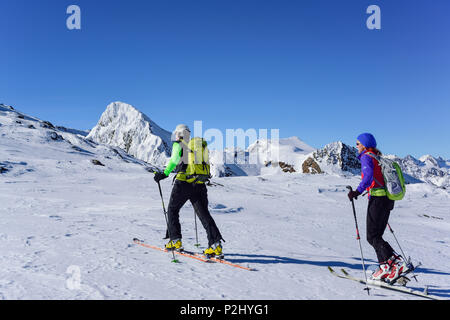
x: 338, y: 157
x: 123, y: 127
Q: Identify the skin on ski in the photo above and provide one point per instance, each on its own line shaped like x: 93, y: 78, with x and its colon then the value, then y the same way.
x: 185, y: 254
x: 193, y: 255
x: 346, y: 275
x: 221, y: 260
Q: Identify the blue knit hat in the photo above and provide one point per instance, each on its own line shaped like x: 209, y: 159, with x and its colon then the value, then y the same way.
x: 367, y: 140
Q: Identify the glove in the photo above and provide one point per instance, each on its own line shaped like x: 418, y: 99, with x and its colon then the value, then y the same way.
x: 353, y: 195
x: 160, y: 176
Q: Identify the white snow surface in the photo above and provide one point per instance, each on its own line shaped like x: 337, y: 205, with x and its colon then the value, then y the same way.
x: 61, y: 213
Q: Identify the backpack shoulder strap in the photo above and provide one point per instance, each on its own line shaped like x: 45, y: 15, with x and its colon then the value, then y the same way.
x: 377, y: 158
x: 373, y: 155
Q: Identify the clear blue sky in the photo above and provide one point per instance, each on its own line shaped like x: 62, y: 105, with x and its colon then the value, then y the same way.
x: 309, y: 68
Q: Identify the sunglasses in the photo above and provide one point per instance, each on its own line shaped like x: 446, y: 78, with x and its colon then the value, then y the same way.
x: 358, y: 144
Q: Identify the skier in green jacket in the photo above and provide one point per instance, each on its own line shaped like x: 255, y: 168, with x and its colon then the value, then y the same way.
x: 189, y: 185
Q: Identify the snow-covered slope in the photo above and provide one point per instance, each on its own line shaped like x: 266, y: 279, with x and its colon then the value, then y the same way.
x: 290, y: 151
x: 122, y: 125
x: 231, y: 163
x: 30, y: 145
x: 262, y: 157
x: 64, y: 219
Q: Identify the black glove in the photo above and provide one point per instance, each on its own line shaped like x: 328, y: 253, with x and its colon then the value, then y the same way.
x: 353, y: 195
x: 160, y: 176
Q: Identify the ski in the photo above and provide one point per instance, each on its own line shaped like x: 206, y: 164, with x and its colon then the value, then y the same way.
x: 223, y: 261
x: 379, y: 284
x: 192, y: 255
x: 181, y: 253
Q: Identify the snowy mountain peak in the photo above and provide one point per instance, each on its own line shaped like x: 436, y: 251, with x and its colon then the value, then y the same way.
x: 427, y: 169
x: 264, y: 156
x: 31, y: 147
x: 292, y: 144
x: 5, y: 107
x: 123, y: 126
x: 286, y: 151
x: 297, y: 144
x: 437, y: 162
x: 336, y: 157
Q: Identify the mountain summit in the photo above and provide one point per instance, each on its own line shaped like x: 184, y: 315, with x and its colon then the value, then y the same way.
x: 123, y: 126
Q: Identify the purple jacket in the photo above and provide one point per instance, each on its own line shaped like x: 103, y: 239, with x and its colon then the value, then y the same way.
x: 369, y: 169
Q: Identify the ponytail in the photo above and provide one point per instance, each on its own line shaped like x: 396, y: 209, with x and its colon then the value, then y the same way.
x: 375, y: 151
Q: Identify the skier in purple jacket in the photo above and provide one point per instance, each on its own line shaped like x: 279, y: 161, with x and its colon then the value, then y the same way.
x: 380, y: 206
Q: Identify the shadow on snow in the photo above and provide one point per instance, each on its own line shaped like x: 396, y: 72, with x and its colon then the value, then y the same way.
x: 271, y: 259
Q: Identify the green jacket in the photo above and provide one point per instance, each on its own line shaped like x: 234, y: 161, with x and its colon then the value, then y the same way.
x: 175, y: 159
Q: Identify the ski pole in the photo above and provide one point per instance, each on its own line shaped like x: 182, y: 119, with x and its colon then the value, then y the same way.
x: 196, y: 233
x: 359, y: 240
x: 410, y: 265
x: 167, y: 220
x: 152, y: 170
x: 392, y: 231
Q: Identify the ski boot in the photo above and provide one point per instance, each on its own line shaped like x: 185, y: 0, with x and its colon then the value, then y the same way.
x: 399, y: 268
x: 383, y: 271
x: 174, y: 245
x: 214, y: 251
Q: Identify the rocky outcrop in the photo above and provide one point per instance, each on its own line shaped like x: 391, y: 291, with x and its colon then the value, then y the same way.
x: 97, y: 163
x: 285, y: 167
x: 311, y: 166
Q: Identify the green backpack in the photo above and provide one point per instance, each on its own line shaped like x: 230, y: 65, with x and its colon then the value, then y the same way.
x: 197, y: 169
x: 393, y: 177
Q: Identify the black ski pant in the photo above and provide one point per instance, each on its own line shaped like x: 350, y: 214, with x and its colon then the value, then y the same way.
x: 377, y: 219
x: 198, y: 195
